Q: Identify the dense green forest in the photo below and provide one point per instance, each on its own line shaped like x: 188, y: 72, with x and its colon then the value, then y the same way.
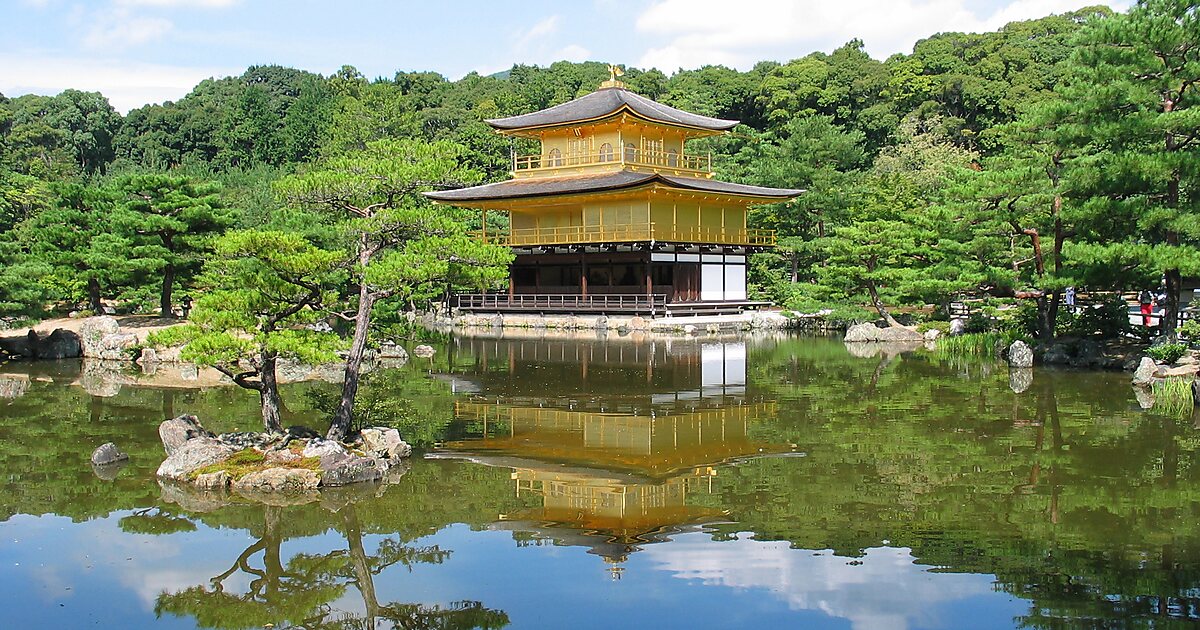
x: 1052, y: 153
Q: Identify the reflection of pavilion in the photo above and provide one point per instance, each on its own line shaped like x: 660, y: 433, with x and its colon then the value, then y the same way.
x: 613, y: 440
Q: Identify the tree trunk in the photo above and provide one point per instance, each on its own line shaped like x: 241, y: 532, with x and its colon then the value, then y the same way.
x: 878, y: 304
x: 94, y: 303
x: 1170, y: 317
x: 795, y: 266
x: 269, y: 394
x: 168, y: 286
x: 343, y: 419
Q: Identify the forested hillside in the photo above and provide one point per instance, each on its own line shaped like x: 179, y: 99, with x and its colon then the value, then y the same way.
x: 1010, y: 163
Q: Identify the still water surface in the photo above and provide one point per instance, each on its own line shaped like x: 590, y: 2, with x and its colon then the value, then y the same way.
x: 775, y: 482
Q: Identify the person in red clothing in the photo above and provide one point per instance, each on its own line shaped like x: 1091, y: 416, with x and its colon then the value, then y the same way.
x: 1146, y: 300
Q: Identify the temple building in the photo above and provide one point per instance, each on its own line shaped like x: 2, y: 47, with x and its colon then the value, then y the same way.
x: 614, y: 215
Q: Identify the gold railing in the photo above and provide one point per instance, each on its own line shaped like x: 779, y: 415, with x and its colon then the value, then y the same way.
x: 634, y: 157
x: 631, y: 232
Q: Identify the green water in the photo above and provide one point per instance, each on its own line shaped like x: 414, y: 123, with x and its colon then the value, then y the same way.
x: 617, y: 482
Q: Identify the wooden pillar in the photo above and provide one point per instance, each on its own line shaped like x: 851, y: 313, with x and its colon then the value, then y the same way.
x: 583, y: 274
x: 650, y: 289
x: 484, y: 224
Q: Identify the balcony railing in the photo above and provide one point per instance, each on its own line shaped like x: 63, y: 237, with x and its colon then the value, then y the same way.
x: 558, y: 302
x: 633, y: 157
x: 632, y: 232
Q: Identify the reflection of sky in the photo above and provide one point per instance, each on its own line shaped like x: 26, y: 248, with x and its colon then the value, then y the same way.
x: 55, y: 573
x: 883, y: 590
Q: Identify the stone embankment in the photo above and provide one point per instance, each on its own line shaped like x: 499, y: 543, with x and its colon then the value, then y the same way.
x: 690, y: 325
x: 296, y: 461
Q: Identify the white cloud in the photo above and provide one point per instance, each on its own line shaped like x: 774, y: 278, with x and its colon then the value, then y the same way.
x: 126, y: 84
x: 692, y: 33
x: 199, y: 4
x: 118, y: 29
x: 537, y: 45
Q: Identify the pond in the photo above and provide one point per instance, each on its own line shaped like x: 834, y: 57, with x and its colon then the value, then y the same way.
x: 619, y: 481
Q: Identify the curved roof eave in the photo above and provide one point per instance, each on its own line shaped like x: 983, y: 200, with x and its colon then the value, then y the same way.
x: 607, y: 102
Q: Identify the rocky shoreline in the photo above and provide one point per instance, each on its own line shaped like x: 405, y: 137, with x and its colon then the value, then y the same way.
x: 298, y: 460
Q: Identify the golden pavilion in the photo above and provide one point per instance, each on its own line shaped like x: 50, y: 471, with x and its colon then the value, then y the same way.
x: 614, y: 215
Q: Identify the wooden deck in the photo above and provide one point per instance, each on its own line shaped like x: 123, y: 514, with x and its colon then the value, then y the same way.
x: 631, y: 304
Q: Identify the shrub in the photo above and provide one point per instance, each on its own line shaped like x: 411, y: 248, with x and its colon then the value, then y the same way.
x: 1167, y: 352
x: 1191, y: 330
x: 942, y: 327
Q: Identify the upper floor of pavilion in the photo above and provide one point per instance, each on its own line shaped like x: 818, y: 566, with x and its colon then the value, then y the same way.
x: 609, y: 130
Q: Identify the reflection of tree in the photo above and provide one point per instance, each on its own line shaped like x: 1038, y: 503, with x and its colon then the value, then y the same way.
x: 300, y: 590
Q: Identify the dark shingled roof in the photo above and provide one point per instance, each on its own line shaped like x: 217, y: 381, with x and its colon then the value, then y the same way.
x: 607, y: 101
x: 540, y: 187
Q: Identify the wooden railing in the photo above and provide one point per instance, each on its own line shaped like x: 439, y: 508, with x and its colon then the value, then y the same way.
x: 631, y: 232
x: 552, y: 302
x: 634, y: 157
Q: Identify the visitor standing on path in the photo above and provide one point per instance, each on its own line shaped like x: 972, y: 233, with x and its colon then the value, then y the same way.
x: 1146, y: 300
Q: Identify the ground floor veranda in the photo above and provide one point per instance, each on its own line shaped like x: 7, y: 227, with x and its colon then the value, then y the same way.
x: 649, y: 279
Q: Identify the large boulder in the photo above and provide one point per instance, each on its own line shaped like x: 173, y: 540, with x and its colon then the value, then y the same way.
x: 1020, y: 355
x: 175, y: 432
x: 107, y: 453
x: 385, y: 442
x: 859, y: 333
x: 279, y: 480
x: 193, y: 455
x: 93, y: 330
x: 1144, y: 374
x: 350, y: 468
x: 59, y: 344
x: 423, y: 352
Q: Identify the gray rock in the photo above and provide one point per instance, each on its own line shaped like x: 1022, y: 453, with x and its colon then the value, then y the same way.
x: 93, y: 330
x: 958, y: 326
x: 1057, y: 354
x: 279, y: 480
x: 423, y: 352
x: 116, y: 347
x: 109, y: 472
x: 1020, y: 355
x: 59, y: 344
x: 324, y: 449
x: 859, y: 333
x: 175, y: 432
x: 213, y: 481
x: 1144, y: 374
x: 107, y: 453
x: 193, y: 455
x: 1019, y: 379
x: 393, y: 352
x: 385, y: 442
x: 349, y: 469
x: 932, y: 334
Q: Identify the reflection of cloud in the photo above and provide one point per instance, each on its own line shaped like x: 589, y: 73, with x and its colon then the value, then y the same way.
x: 887, y: 590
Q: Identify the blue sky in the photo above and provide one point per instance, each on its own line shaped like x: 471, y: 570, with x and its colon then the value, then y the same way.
x: 141, y: 51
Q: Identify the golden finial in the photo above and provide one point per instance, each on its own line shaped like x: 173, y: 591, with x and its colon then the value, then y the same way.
x: 614, y: 71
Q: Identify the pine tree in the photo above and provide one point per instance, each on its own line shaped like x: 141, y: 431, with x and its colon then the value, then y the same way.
x: 265, y: 290
x: 1138, y: 120
x: 401, y: 245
